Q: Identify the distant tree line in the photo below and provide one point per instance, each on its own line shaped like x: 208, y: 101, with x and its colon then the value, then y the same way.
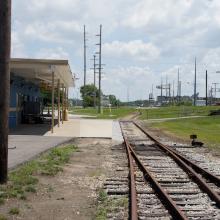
x: 90, y: 96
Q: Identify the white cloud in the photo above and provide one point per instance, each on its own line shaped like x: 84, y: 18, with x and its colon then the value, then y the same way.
x: 55, y: 53
x: 57, y: 31
x: 142, y: 40
x: 17, y: 49
x: 136, y: 50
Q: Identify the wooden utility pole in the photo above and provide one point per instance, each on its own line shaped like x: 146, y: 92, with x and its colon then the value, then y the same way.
x: 5, y: 48
x: 206, y: 87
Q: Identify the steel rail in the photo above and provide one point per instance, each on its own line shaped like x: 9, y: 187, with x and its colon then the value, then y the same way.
x: 188, y: 169
x: 164, y: 197
x: 133, y: 194
x: 208, y: 175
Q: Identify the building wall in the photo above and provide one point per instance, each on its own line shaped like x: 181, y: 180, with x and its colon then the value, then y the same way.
x: 20, y: 90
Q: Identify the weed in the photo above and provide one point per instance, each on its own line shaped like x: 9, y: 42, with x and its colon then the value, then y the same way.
x: 50, y: 189
x: 2, y: 201
x: 30, y: 189
x: 2, y: 217
x: 24, y: 179
x: 102, y: 196
x: 14, y: 211
x: 109, y: 204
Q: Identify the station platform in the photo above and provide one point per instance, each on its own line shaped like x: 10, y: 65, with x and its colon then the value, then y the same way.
x: 28, y: 141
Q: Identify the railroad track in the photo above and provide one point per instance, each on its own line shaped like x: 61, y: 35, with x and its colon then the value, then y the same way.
x: 165, y: 184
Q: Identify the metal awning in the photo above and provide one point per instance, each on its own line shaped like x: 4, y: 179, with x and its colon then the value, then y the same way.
x: 40, y: 70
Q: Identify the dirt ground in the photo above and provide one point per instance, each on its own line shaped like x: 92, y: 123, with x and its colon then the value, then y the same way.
x: 72, y: 194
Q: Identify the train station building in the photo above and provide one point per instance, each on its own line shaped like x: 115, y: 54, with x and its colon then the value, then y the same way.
x: 28, y: 78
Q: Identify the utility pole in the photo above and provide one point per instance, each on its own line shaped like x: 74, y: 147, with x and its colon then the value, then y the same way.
x: 94, y: 68
x: 195, y: 85
x: 5, y: 48
x: 206, y: 87
x: 178, y: 86
x: 100, y: 67
x: 84, y: 35
x: 94, y: 82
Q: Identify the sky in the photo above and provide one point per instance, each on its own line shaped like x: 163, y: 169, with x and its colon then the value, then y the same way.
x: 144, y: 41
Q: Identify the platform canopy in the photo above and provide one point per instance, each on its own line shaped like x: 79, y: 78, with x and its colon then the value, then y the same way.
x: 40, y: 70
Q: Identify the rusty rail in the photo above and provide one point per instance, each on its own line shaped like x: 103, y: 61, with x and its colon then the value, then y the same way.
x: 164, y: 197
x: 192, y: 172
x: 133, y: 194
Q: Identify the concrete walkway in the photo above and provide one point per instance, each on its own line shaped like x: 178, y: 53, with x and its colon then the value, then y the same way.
x: 83, y: 128
x: 28, y: 141
x: 23, y: 148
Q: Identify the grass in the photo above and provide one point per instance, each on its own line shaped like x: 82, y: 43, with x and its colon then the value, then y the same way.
x: 2, y: 217
x: 206, y: 128
x: 24, y: 179
x: 176, y: 111
x: 114, y: 114
x: 14, y: 211
x: 109, y: 204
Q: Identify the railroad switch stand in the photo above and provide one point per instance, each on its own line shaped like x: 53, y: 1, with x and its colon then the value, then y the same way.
x: 195, y: 142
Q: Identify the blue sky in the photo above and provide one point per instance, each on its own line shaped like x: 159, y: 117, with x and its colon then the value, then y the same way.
x: 143, y: 40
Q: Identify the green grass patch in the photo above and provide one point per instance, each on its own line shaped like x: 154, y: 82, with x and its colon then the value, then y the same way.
x: 109, y: 204
x: 24, y: 179
x: 107, y: 114
x: 176, y: 111
x: 206, y: 128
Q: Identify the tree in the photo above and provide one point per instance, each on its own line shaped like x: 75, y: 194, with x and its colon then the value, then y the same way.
x: 47, y: 97
x: 89, y: 94
x: 114, y: 101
